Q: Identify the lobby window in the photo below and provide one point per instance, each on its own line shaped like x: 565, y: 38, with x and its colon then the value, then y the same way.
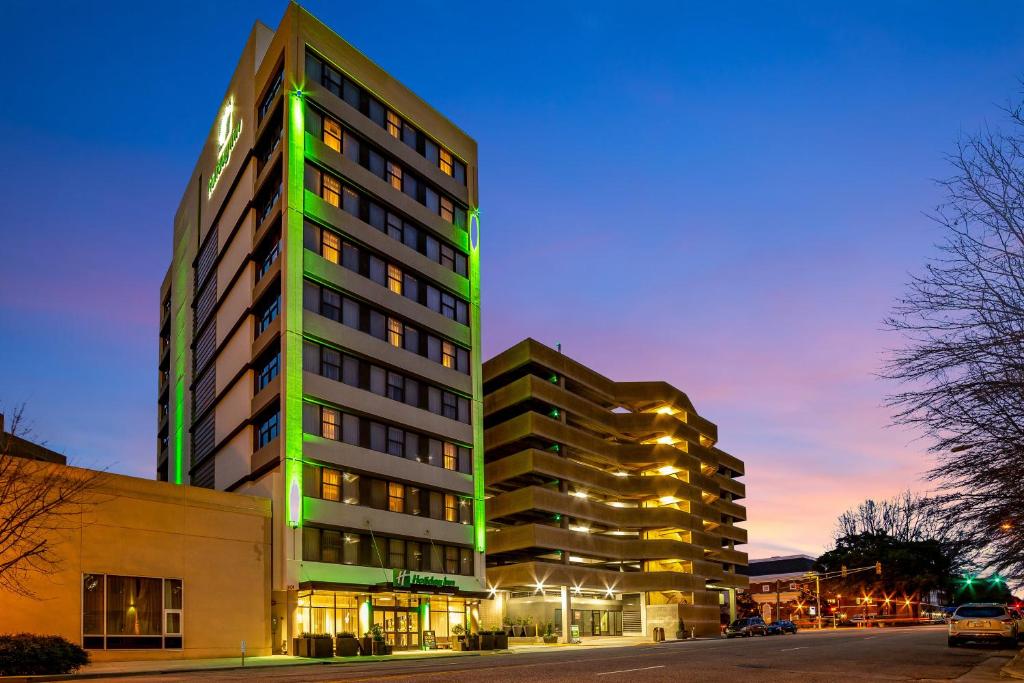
x: 447, y: 354
x: 267, y: 429
x: 269, y: 369
x: 451, y: 508
x: 394, y: 175
x: 395, y: 279
x: 332, y: 134
x: 446, y: 162
x: 330, y: 424
x: 330, y: 484
x: 131, y: 613
x: 394, y: 125
x: 396, y: 497
x: 396, y: 333
x: 330, y: 246
x: 450, y: 457
x: 330, y: 189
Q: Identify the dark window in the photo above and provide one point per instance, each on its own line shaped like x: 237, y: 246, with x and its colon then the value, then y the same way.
x: 268, y: 313
x: 268, y: 370
x: 267, y: 429
x: 450, y: 405
x: 396, y: 387
x: 396, y: 441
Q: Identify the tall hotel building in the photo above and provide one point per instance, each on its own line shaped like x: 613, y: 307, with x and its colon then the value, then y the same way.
x: 609, y: 506
x: 320, y: 337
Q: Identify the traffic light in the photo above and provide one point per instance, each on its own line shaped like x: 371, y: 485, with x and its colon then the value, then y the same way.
x: 843, y: 570
x: 878, y: 568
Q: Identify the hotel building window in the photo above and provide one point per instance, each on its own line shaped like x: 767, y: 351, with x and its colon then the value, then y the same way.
x: 330, y: 246
x: 330, y: 189
x: 394, y: 125
x: 447, y: 354
x: 329, y: 423
x: 332, y: 134
x: 396, y: 497
x: 396, y: 333
x: 330, y: 484
x: 395, y: 280
x: 396, y: 441
x: 394, y: 176
x: 267, y: 428
x: 446, y: 163
x: 451, y: 509
x: 268, y: 314
x: 269, y: 370
x: 131, y: 613
x: 450, y: 460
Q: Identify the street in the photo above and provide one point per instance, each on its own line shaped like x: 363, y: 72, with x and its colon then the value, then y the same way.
x: 896, y: 654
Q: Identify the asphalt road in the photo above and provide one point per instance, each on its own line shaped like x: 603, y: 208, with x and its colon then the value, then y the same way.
x: 896, y: 654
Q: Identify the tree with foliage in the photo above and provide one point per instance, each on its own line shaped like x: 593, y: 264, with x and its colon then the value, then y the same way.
x: 960, y: 370
x: 38, y: 502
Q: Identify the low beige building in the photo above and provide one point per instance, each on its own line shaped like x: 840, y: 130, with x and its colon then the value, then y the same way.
x: 154, y: 571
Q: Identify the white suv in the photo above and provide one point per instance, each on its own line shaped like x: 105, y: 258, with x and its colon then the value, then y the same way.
x: 982, y: 621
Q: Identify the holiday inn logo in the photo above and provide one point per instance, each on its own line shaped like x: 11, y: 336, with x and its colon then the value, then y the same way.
x: 227, y: 137
x: 403, y: 578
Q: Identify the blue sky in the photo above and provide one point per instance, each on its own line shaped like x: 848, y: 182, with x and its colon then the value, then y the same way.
x: 727, y: 196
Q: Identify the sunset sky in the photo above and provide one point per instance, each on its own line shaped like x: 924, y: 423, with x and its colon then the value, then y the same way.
x: 727, y: 196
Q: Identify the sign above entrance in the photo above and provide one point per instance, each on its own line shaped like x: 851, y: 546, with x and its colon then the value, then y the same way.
x: 401, y: 578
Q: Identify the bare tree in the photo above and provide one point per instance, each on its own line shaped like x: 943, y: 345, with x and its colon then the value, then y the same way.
x: 38, y: 502
x: 961, y: 370
x: 906, y: 517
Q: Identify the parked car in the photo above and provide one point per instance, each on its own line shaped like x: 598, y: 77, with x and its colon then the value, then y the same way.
x: 984, y: 622
x: 785, y: 625
x: 744, y: 628
x: 774, y: 629
x: 1018, y: 617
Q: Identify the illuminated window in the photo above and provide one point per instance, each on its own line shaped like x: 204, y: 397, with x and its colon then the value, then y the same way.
x: 330, y: 484
x: 394, y: 279
x: 330, y: 246
x: 394, y: 175
x: 329, y: 421
x: 447, y: 210
x: 332, y: 134
x: 396, y: 332
x: 330, y: 189
x: 450, y: 457
x: 447, y: 354
x: 445, y: 163
x: 396, y: 497
x: 451, y: 509
x: 394, y: 125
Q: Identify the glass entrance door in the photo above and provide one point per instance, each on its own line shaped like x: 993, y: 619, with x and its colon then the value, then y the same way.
x: 401, y: 625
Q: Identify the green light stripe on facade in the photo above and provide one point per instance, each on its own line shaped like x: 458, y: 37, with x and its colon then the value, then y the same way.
x: 479, y: 510
x: 292, y: 345
x: 180, y: 321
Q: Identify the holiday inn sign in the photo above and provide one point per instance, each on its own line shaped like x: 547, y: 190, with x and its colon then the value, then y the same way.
x: 402, y: 578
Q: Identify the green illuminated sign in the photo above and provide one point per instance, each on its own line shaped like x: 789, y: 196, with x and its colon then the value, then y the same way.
x: 227, y: 137
x: 402, y: 578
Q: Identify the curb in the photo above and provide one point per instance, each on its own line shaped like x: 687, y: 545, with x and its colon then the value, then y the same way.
x: 187, y: 670
x: 1015, y: 667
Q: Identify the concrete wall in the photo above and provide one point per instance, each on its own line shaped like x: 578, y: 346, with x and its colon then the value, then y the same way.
x: 217, y: 543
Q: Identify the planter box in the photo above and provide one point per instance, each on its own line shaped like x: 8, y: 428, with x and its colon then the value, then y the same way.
x: 321, y: 648
x: 365, y: 646
x: 550, y: 639
x: 486, y: 641
x: 345, y: 646
x: 500, y: 641
x: 300, y: 647
x: 381, y: 647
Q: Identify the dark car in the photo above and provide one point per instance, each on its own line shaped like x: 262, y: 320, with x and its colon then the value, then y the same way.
x: 778, y: 628
x: 744, y: 628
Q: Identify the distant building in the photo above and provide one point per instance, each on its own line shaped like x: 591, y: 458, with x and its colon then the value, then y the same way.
x: 18, y: 447
x: 780, y: 587
x: 611, y: 508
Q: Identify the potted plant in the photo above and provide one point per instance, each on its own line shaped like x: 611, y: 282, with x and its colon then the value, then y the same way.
x: 501, y: 638
x: 506, y: 626
x: 527, y: 623
x: 681, y: 631
x: 459, y: 631
x: 346, y: 645
x: 518, y: 629
x: 486, y: 639
x: 379, y: 646
x: 549, y: 634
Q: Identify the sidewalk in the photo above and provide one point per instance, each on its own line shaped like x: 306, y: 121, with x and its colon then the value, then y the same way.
x: 138, y: 667
x: 1015, y: 667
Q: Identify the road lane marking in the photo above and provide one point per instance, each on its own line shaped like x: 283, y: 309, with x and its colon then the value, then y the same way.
x: 645, y: 668
x: 790, y: 649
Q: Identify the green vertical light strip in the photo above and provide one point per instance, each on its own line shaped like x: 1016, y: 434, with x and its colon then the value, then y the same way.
x: 179, y: 294
x: 293, y: 309
x: 479, y: 509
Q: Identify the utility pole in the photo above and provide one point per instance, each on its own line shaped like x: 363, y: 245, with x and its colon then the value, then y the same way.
x: 778, y: 615
x: 817, y: 597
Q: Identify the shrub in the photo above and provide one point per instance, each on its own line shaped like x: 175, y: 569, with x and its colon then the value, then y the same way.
x: 28, y: 654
